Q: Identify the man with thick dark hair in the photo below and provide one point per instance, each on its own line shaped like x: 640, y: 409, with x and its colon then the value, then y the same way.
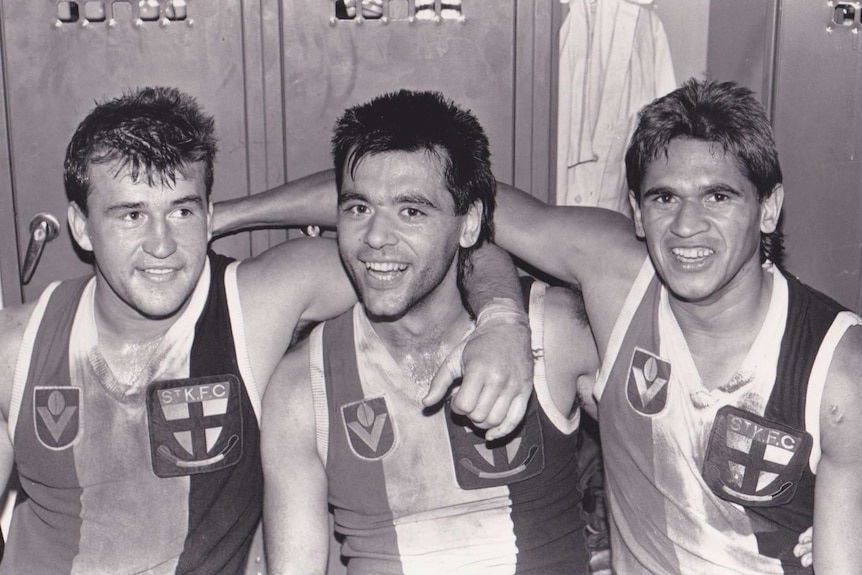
x: 728, y: 391
x: 414, y: 491
x: 133, y: 397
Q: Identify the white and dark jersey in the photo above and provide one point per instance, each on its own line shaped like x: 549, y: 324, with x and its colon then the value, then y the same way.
x: 714, y: 481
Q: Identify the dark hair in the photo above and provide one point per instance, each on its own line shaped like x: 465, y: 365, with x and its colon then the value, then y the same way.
x: 720, y: 112
x: 152, y: 132
x: 407, y: 121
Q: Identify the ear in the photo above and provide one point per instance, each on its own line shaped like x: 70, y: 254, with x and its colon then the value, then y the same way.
x: 636, y: 215
x: 471, y: 225
x: 770, y: 210
x: 209, y: 220
x: 78, y: 225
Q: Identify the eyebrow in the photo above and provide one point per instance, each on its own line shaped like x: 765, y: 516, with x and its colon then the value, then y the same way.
x: 407, y: 198
x: 657, y: 190
x: 183, y: 201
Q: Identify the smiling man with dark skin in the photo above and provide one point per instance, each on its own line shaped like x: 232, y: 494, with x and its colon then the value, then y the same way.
x: 729, y: 390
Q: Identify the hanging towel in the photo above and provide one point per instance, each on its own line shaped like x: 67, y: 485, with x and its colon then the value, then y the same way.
x: 614, y: 59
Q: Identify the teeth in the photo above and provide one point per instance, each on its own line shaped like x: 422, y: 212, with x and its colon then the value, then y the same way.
x: 692, y: 253
x: 385, y: 267
x: 159, y: 271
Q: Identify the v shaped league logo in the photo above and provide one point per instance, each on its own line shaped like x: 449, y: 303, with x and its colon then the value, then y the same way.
x: 647, y: 384
x: 369, y: 428
x: 57, y: 415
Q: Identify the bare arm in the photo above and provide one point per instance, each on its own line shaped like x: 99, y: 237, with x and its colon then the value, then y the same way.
x: 593, y: 248
x: 838, y: 491
x: 296, y: 517
x: 296, y: 282
x: 13, y: 322
x: 310, y: 200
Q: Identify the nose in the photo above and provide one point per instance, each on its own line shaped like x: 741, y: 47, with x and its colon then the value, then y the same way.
x: 380, y: 230
x: 690, y: 219
x: 160, y: 241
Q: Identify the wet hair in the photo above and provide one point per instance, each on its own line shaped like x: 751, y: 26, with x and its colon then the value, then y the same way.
x: 152, y: 132
x: 407, y: 121
x: 723, y: 113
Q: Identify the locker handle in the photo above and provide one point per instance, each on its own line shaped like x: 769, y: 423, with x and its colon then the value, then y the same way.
x: 43, y: 228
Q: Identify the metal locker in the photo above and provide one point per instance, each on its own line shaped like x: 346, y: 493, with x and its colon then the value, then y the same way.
x: 60, y: 56
x: 496, y: 59
x: 817, y: 112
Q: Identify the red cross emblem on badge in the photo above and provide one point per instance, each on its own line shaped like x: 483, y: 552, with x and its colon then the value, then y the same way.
x: 480, y: 464
x: 195, y: 424
x: 753, y: 461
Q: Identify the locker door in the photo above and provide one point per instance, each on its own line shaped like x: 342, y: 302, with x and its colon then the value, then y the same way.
x: 496, y: 61
x: 818, y: 130
x: 61, y: 56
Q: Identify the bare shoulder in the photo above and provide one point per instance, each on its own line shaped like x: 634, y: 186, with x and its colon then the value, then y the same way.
x: 840, y: 416
x: 290, y: 262
x: 13, y: 322
x: 305, y: 274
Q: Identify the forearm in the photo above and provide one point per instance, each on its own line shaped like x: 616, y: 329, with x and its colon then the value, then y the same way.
x: 489, y: 274
x: 311, y: 200
x: 837, y: 521
x: 294, y: 543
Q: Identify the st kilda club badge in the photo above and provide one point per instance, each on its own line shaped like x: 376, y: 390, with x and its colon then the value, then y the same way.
x: 480, y: 463
x: 195, y: 424
x: 753, y: 461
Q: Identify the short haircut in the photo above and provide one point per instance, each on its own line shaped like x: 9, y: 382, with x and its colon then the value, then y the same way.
x: 152, y: 132
x: 407, y: 121
x: 724, y: 113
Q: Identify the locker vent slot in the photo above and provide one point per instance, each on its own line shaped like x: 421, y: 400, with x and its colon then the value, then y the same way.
x: 117, y: 11
x: 385, y: 11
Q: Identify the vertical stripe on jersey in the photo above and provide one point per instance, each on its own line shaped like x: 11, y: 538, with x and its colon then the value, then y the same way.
x: 340, y: 371
x: 231, y: 498
x: 618, y: 422
x: 63, y: 525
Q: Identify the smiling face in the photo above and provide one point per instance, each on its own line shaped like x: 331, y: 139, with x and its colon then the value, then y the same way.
x: 702, y: 221
x: 149, y: 242
x: 398, y: 234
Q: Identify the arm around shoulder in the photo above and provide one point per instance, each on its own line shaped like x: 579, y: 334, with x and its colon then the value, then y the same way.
x: 838, y: 491
x: 577, y: 245
x: 304, y: 201
x: 296, y: 516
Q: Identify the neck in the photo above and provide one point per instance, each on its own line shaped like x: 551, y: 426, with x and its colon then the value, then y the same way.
x: 740, y: 307
x: 423, y: 327
x: 719, y: 335
x: 119, y: 326
x: 420, y: 340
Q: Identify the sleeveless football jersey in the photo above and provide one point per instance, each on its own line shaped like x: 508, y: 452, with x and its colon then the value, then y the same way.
x: 416, y: 491
x: 718, y: 481
x: 158, y: 478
